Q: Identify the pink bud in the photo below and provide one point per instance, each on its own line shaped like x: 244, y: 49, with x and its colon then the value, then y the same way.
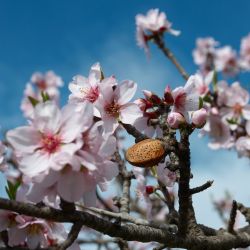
x: 175, y: 120
x: 152, y: 97
x: 199, y: 118
x: 143, y: 104
x: 168, y: 96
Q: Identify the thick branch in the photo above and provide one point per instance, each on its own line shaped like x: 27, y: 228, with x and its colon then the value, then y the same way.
x: 131, y: 232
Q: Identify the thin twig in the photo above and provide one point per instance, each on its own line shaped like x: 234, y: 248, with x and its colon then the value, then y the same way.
x: 245, y: 211
x: 232, y: 218
x: 169, y: 54
x: 201, y: 188
x: 134, y: 132
x: 72, y: 236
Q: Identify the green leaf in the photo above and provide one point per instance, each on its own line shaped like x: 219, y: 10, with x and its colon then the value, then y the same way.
x: 232, y: 121
x: 33, y: 101
x: 11, y: 189
x: 215, y: 80
x: 153, y: 171
x: 45, y: 96
x: 207, y: 98
x: 200, y: 103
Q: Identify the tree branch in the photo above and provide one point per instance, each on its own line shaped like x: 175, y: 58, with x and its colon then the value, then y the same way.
x: 201, y: 188
x: 232, y: 218
x: 158, y: 39
x: 72, y: 236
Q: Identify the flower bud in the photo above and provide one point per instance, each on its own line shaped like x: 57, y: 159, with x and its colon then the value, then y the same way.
x: 152, y: 97
x: 143, y: 104
x: 175, y: 120
x: 150, y: 189
x: 168, y: 98
x: 199, y: 118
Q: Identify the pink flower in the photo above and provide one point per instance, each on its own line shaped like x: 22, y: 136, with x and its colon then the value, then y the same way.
x: 49, y: 83
x: 202, y: 83
x: 242, y: 144
x: 204, y: 53
x: 226, y: 61
x: 186, y: 98
x: 3, y: 165
x: 175, y: 119
x: 154, y: 22
x: 90, y: 167
x: 114, y: 106
x: 199, y: 117
x: 235, y: 102
x: 89, y: 89
x: 245, y: 52
x: 49, y: 79
x: 219, y: 132
x: 51, y: 135
x: 164, y: 175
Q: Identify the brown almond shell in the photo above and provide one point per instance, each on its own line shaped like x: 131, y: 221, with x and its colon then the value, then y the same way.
x: 146, y: 153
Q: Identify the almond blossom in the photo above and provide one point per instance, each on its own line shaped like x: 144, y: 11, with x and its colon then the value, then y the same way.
x: 226, y: 61
x: 3, y: 165
x: 219, y: 132
x: 245, y: 52
x: 155, y: 22
x: 242, y: 144
x: 235, y: 103
x: 48, y: 82
x: 114, y: 106
x: 186, y: 98
x: 52, y: 134
x: 202, y: 83
x: 204, y: 53
x: 32, y: 232
x: 78, y: 180
x: 89, y: 89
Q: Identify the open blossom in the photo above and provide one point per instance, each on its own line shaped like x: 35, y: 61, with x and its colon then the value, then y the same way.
x: 114, y: 106
x: 164, y: 175
x: 245, y: 52
x: 24, y: 230
x: 226, y: 61
x: 235, y: 102
x: 3, y: 165
x: 154, y: 22
x: 204, y: 53
x: 219, y: 132
x: 186, y: 98
x: 89, y: 89
x: 242, y: 144
x: 48, y: 82
x: 78, y: 180
x: 52, y: 134
x: 202, y: 83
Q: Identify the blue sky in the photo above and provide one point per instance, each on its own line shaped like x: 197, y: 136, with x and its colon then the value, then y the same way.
x: 69, y: 36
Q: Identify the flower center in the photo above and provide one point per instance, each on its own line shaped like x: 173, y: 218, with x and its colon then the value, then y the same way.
x: 237, y: 109
x: 51, y: 143
x: 42, y: 85
x: 180, y: 100
x: 112, y: 109
x: 90, y: 94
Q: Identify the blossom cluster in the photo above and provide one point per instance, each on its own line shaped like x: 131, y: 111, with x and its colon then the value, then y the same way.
x: 209, y: 56
x: 151, y: 24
